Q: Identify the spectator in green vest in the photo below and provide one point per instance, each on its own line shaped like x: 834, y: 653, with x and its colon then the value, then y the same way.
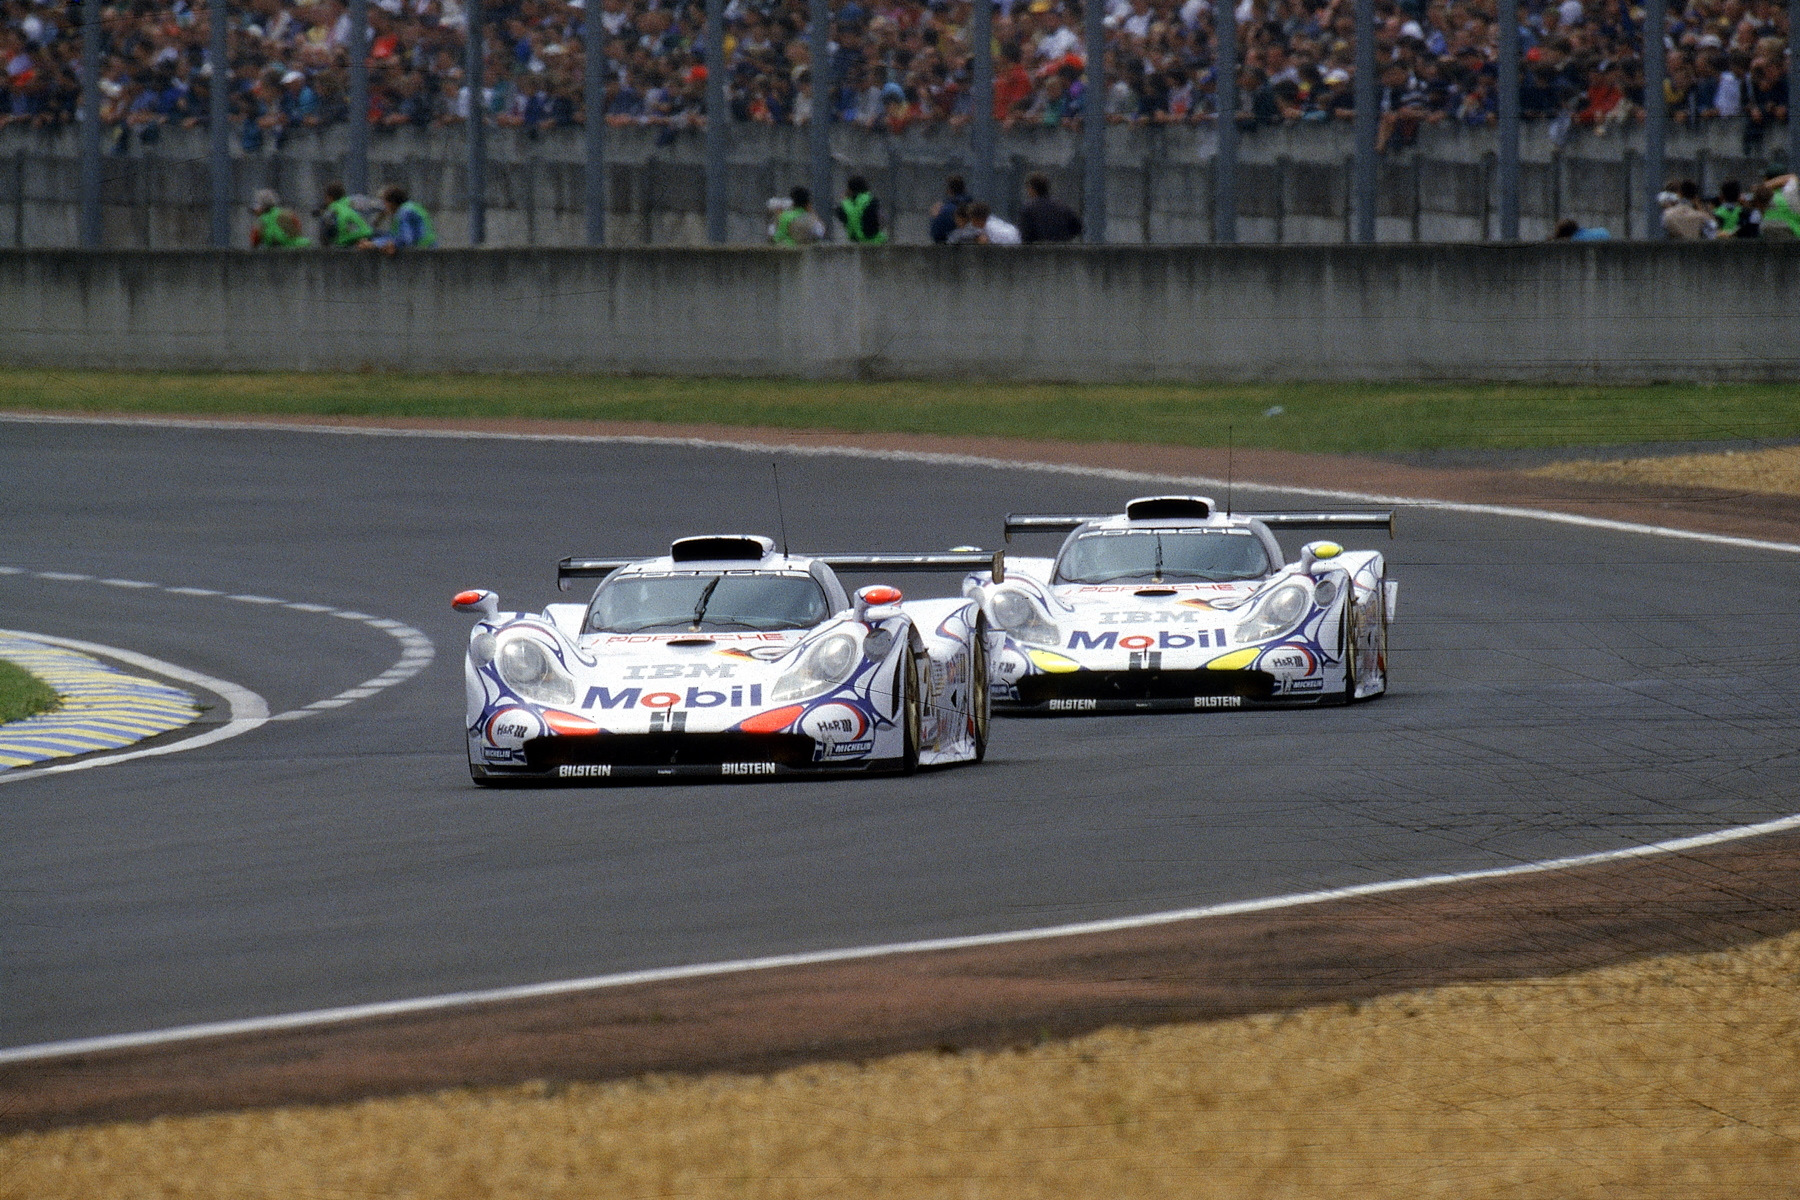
x: 339, y: 222
x: 276, y: 227
x: 861, y: 213
x: 795, y: 225
x: 409, y: 226
x: 1779, y: 197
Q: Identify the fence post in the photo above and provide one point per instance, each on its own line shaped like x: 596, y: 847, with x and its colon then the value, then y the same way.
x: 982, y: 123
x: 823, y: 111
x: 356, y: 170
x: 1508, y: 65
x: 90, y: 124
x: 1656, y: 114
x: 1093, y: 122
x: 1225, y: 105
x: 716, y: 117
x: 474, y: 75
x: 593, y: 88
x: 219, y: 121
x: 1366, y: 120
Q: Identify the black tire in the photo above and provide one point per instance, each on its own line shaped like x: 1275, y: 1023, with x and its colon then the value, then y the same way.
x: 981, y: 700
x: 909, y: 711
x: 1350, y: 644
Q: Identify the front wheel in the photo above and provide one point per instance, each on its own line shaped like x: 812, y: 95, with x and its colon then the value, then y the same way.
x: 909, y: 711
x: 981, y: 693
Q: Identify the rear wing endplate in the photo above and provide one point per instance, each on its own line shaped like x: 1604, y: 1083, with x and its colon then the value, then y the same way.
x: 962, y: 560
x: 959, y: 560
x: 589, y: 568
x: 1069, y: 522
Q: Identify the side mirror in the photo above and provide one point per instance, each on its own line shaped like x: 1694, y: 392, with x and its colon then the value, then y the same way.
x: 1317, y: 552
x: 878, y: 602
x: 476, y: 600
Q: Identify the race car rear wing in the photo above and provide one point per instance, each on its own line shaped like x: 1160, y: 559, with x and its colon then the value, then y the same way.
x: 956, y: 560
x: 1069, y: 522
x: 960, y: 560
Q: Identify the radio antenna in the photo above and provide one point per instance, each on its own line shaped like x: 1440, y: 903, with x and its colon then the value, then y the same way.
x: 1230, y: 431
x: 775, y: 470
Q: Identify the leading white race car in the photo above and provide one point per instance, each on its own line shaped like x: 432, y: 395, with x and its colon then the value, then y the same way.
x: 727, y: 657
x: 1174, y: 605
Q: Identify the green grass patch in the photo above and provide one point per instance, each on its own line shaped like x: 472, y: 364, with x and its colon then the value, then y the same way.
x: 23, y: 694
x: 1343, y: 418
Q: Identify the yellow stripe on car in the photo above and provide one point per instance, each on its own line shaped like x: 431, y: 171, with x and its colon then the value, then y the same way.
x: 1237, y: 660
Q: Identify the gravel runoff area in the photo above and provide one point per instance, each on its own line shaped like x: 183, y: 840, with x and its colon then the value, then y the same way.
x: 1283, y: 1054
x: 1670, y: 1077
x: 1774, y: 471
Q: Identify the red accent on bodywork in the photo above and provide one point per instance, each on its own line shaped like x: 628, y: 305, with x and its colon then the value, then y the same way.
x: 879, y: 594
x: 773, y: 721
x: 470, y: 597
x: 563, y: 722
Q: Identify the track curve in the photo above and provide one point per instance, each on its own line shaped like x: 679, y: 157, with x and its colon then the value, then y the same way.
x: 1558, y: 690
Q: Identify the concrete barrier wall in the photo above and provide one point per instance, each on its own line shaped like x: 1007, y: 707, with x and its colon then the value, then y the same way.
x: 1598, y: 311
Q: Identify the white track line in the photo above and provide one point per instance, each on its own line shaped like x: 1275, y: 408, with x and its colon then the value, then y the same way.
x: 335, y: 1016
x: 919, y: 456
x: 533, y: 991
x: 416, y: 650
x: 248, y: 710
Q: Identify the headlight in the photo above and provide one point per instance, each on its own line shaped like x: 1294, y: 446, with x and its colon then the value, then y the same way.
x: 1279, y: 612
x: 529, y: 669
x: 825, y: 664
x: 1015, y: 612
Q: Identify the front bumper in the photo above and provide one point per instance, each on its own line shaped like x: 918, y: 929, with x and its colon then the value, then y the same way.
x: 1087, y: 691
x: 643, y: 756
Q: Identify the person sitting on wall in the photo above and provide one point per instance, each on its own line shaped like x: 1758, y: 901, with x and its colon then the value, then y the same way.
x: 795, y: 225
x: 1046, y: 220
x: 409, y: 226
x: 276, y: 227
x: 860, y: 212
x: 1570, y: 230
x: 339, y: 222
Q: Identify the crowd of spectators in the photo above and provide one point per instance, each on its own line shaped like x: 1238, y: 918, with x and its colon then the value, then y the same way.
x: 893, y: 63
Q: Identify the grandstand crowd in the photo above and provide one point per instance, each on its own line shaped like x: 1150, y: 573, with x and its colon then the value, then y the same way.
x: 893, y: 63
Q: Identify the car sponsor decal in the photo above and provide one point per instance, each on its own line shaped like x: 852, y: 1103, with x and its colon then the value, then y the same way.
x: 1073, y: 705
x: 697, y: 670
x: 835, y: 722
x: 694, y: 697
x: 1109, y: 639
x: 1289, y: 658
x: 1306, y: 685
x: 1218, y: 702
x: 584, y: 771
x: 747, y: 768
x: 850, y: 749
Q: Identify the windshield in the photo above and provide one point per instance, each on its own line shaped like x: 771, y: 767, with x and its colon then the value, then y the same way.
x: 1213, y: 555
x: 699, y: 603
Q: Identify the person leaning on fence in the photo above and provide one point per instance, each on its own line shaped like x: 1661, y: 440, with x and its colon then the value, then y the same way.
x: 1779, y: 200
x: 409, y: 226
x: 339, y: 222
x: 276, y: 227
x: 943, y: 217
x: 796, y: 225
x: 1046, y: 220
x: 860, y: 212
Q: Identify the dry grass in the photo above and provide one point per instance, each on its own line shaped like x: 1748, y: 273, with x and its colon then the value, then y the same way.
x: 1673, y: 1077
x: 1776, y: 471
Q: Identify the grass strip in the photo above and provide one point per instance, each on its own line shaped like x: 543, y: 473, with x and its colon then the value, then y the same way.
x: 1321, y: 417
x: 1671, y: 1077
x: 23, y: 694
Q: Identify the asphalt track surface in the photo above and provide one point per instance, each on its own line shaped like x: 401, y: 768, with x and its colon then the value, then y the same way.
x: 1557, y: 690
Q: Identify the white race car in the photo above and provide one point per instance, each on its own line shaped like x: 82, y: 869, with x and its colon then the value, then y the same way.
x: 1175, y: 605
x: 728, y: 657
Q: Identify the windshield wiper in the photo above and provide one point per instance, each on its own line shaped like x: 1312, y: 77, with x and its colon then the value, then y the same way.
x: 705, y: 596
x: 1157, y: 578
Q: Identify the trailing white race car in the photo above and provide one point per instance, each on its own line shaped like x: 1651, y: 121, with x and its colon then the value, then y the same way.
x: 1174, y: 605
x: 727, y: 657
